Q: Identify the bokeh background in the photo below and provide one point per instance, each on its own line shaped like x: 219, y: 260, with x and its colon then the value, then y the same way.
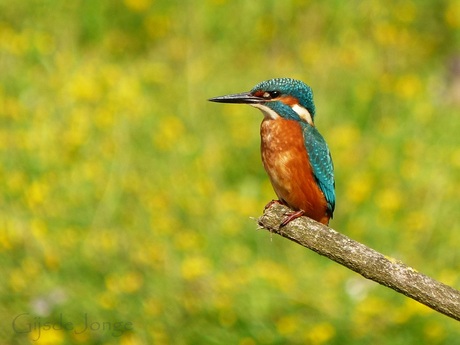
x: 126, y: 198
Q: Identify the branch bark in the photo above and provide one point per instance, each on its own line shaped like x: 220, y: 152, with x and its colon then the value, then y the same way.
x: 364, y: 260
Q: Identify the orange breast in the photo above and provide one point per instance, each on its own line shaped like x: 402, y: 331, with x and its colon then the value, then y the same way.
x: 286, y: 161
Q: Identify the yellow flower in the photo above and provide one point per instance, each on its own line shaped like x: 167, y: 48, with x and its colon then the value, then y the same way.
x: 287, y: 325
x: 320, y: 333
x: 187, y: 240
x: 130, y: 339
x: 389, y: 199
x: 435, y: 332
x: 171, y: 129
x: 36, y: 193
x: 128, y: 283
x: 138, y: 5
x: 17, y: 280
x: 408, y: 86
x: 43, y: 336
x: 132, y: 281
x: 195, y: 267
x: 452, y: 14
x: 84, y: 86
x: 359, y: 187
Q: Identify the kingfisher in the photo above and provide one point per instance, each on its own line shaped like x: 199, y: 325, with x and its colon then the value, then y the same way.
x: 294, y: 154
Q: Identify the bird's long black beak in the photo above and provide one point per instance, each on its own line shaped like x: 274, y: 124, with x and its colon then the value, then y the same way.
x: 240, y: 98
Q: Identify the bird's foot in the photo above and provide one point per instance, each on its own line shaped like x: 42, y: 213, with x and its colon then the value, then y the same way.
x: 273, y: 202
x: 290, y: 216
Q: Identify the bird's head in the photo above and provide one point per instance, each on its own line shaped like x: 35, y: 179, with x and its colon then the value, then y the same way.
x: 280, y: 97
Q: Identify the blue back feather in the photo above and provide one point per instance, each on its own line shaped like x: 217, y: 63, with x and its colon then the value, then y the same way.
x: 321, y: 163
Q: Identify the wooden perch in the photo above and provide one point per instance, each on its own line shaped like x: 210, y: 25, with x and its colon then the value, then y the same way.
x: 364, y: 260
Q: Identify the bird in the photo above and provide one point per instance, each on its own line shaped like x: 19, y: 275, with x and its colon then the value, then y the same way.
x: 294, y: 154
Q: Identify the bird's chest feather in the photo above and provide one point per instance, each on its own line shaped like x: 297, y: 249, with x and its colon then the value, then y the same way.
x: 287, y: 163
x: 284, y: 155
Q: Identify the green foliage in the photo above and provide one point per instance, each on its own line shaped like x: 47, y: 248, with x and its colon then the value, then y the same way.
x: 126, y: 197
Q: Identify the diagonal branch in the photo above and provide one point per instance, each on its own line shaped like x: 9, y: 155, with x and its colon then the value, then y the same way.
x: 364, y: 260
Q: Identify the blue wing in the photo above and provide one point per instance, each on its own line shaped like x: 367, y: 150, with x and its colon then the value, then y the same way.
x: 321, y: 162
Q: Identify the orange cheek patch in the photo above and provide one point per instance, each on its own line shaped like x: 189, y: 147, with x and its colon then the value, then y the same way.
x: 259, y: 93
x: 289, y: 100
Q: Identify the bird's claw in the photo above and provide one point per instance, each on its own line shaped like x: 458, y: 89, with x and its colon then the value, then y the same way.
x: 271, y: 203
x: 290, y: 216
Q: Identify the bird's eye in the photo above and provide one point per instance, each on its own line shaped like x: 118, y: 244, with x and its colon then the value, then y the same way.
x: 271, y: 94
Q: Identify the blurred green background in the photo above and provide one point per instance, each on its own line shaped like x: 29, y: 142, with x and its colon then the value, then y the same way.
x: 126, y: 197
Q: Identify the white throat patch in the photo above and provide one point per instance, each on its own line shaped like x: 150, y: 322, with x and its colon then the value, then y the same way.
x: 271, y: 114
x: 268, y: 112
x: 303, y: 113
